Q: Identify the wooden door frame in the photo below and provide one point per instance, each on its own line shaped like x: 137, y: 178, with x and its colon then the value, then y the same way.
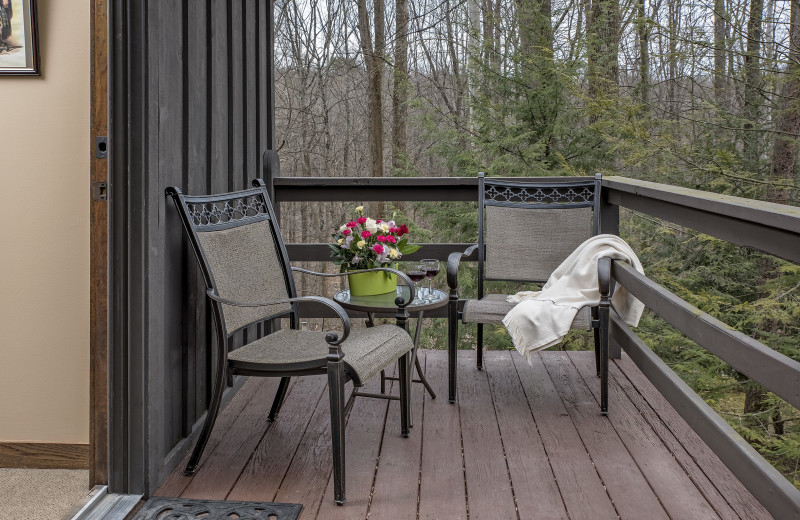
x: 98, y: 260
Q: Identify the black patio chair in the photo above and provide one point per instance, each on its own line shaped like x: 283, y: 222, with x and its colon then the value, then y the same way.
x: 525, y: 230
x: 238, y: 245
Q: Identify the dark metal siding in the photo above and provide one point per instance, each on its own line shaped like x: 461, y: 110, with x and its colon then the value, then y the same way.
x: 190, y: 106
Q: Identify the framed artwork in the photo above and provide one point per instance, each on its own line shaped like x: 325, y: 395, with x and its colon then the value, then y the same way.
x: 19, y: 45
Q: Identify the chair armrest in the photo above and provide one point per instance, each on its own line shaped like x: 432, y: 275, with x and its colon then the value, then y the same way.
x: 331, y: 337
x: 453, y: 262
x: 399, y: 301
x: 606, y: 284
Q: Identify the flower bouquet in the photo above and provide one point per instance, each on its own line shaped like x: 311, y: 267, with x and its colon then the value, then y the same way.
x: 366, y: 243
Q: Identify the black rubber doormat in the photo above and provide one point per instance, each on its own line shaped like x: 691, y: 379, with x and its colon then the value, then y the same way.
x: 158, y: 508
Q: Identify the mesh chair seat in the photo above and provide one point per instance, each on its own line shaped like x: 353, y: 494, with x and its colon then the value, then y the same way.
x: 366, y: 351
x: 492, y: 308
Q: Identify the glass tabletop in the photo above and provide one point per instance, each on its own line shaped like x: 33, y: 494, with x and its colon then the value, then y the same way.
x: 385, y: 302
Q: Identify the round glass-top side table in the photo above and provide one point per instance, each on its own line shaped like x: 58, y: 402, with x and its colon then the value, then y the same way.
x: 383, y: 304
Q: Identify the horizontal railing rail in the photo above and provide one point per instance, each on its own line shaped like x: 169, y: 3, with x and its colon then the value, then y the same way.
x: 777, y: 373
x: 772, y: 228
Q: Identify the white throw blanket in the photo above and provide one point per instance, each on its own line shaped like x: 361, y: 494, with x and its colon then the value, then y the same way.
x: 543, y: 318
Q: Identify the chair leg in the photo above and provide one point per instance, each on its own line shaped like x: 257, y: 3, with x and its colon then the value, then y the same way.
x: 211, y: 417
x: 480, y: 346
x: 405, y: 395
x: 596, y: 333
x: 280, y: 395
x: 336, y: 393
x: 452, y: 350
x: 603, y: 312
x: 604, y: 285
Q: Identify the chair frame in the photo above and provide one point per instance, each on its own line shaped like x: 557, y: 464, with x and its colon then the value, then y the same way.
x: 600, y: 314
x: 332, y: 365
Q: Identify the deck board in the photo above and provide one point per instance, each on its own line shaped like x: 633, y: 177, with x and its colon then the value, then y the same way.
x: 442, y: 490
x: 264, y: 473
x: 396, y: 479
x: 535, y: 486
x: 627, y: 487
x: 522, y: 442
x: 665, y: 476
x: 721, y: 478
x: 673, y: 444
x: 582, y: 491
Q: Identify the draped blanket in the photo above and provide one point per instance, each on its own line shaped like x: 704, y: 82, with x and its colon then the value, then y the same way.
x: 542, y: 318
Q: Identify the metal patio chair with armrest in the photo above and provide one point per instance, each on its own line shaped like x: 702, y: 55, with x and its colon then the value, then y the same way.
x: 525, y: 230
x: 238, y: 245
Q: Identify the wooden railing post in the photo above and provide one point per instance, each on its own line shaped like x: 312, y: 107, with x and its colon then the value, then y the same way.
x: 609, y: 214
x: 609, y: 224
x: 272, y: 170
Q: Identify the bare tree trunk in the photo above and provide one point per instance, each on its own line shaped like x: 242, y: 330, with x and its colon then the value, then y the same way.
x: 719, y: 51
x: 644, y: 53
x: 489, y: 37
x: 787, y: 125
x: 752, y: 86
x: 674, y: 27
x: 602, y: 47
x: 473, y: 49
x: 374, y: 65
x: 400, y: 89
x: 535, y: 27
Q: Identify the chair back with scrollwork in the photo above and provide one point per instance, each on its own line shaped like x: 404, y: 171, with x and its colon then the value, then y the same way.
x: 526, y: 229
x: 238, y: 244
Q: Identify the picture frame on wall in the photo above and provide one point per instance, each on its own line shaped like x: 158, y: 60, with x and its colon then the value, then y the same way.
x: 19, y: 39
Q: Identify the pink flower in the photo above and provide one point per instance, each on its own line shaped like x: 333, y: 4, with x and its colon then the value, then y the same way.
x: 378, y: 221
x: 361, y: 220
x: 381, y: 238
x: 391, y: 239
x: 365, y: 234
x: 351, y: 224
x: 394, y: 230
x: 403, y: 230
x: 345, y: 232
x: 377, y: 248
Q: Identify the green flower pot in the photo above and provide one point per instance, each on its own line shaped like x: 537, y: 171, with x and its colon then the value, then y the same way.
x: 368, y: 284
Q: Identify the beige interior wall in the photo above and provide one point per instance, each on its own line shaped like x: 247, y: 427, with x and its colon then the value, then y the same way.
x: 44, y: 236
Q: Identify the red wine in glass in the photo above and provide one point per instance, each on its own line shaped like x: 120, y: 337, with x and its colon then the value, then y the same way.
x: 431, y: 272
x: 416, y: 276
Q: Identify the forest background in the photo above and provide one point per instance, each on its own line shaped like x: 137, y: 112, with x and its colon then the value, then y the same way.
x: 701, y: 94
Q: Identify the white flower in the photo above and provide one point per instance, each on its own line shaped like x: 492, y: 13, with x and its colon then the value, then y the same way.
x: 394, y: 253
x: 344, y: 226
x: 348, y: 240
x: 371, y: 226
x: 384, y: 227
x: 360, y: 244
x: 340, y: 241
x: 355, y: 260
x: 360, y: 209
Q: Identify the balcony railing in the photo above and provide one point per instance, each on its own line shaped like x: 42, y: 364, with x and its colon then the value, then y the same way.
x: 771, y: 228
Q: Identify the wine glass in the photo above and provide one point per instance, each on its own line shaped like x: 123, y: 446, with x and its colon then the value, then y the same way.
x: 417, y: 273
x: 431, y: 270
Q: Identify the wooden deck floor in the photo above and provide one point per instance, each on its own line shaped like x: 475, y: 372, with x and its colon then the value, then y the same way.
x: 523, y: 442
